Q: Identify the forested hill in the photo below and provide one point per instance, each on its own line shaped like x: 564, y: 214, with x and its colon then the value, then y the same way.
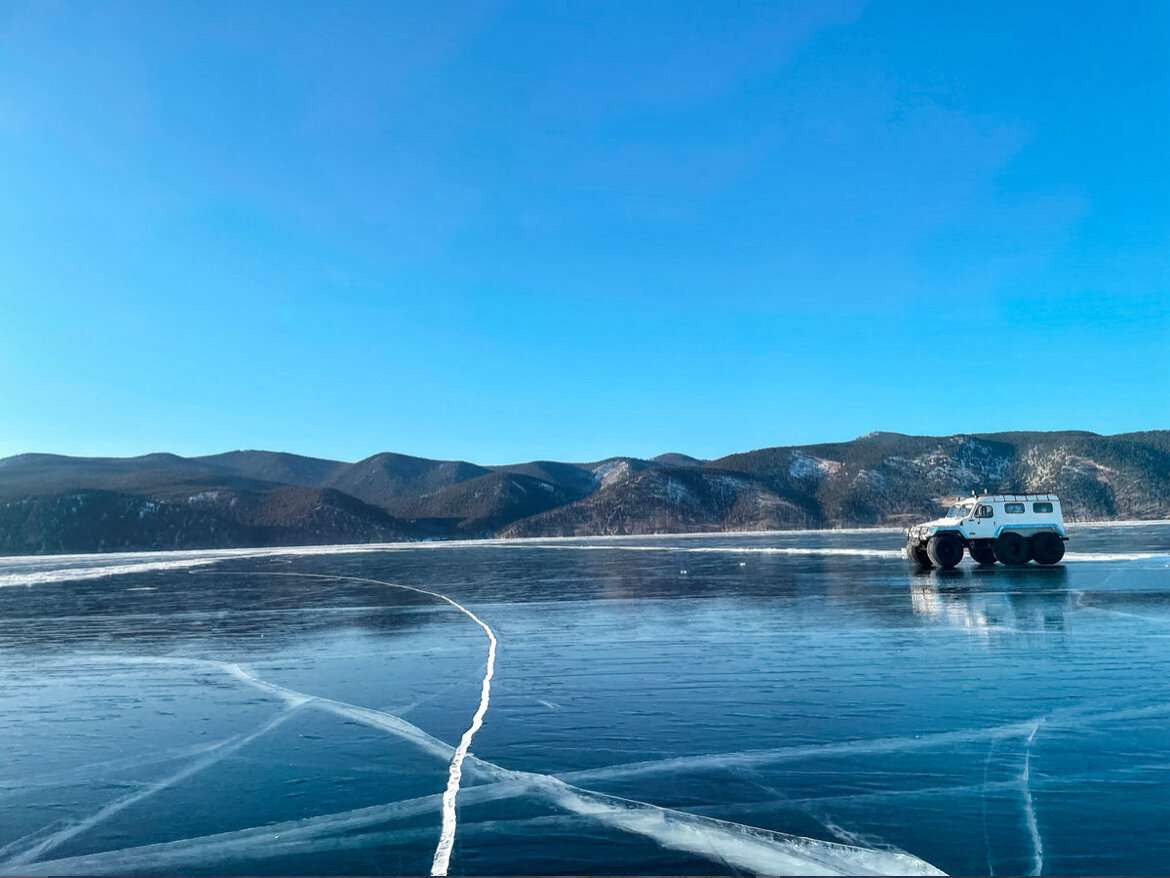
x: 51, y: 503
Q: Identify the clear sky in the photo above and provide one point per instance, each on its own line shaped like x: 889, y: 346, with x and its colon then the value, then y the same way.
x: 504, y: 231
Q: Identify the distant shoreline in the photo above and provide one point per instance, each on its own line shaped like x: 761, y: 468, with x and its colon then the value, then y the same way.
x: 355, y: 548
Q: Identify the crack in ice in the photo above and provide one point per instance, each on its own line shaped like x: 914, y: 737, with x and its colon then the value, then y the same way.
x: 754, y: 849
x: 442, y: 858
x: 1029, y: 806
x: 983, y: 802
x: 747, y: 848
x: 220, y: 752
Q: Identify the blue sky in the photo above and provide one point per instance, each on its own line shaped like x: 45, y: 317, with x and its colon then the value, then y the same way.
x: 505, y: 231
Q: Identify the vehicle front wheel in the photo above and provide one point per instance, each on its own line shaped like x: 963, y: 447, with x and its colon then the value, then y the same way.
x: 1012, y: 549
x: 917, y: 553
x: 1047, y: 548
x: 982, y: 554
x: 945, y: 550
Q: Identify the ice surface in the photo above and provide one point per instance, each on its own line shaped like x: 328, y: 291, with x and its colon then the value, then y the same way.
x: 749, y: 848
x: 754, y: 550
x: 447, y: 834
x: 31, y: 850
x: 1118, y: 556
x: 40, y: 577
x: 797, y: 703
x: 42, y: 569
x: 101, y: 570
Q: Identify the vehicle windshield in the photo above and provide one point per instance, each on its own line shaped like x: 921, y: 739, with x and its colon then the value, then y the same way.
x: 961, y: 510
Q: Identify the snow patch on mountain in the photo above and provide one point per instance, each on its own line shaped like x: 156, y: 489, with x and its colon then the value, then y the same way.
x: 805, y: 466
x: 870, y: 479
x: 1043, y: 467
x: 675, y: 491
x: 1084, y: 467
x: 611, y: 472
x: 968, y: 466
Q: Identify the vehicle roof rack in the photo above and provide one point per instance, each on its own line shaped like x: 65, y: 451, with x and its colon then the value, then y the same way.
x: 998, y: 498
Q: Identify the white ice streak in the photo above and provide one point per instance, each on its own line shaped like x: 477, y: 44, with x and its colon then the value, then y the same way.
x: 1132, y: 522
x: 94, y: 771
x: 754, y: 850
x: 829, y: 551
x: 447, y: 836
x: 1117, y: 556
x: 857, y: 839
x: 225, y: 749
x: 40, y: 577
x: 447, y: 832
x: 179, y: 554
x: 123, y: 563
x: 748, y: 848
x: 771, y: 756
x: 378, y: 719
x: 419, y: 702
x: 810, y: 802
x: 306, y: 835
x: 1081, y: 715
x: 812, y: 550
x: 1121, y: 614
x: 983, y: 806
x: 322, y: 834
x: 1030, y: 808
x: 731, y: 843
x: 735, y: 550
x: 745, y: 847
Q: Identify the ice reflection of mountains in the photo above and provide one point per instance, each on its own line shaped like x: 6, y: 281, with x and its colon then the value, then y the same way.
x: 993, y: 602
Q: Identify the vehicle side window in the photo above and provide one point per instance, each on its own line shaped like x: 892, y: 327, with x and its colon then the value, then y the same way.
x: 1042, y: 508
x: 1013, y: 508
x: 985, y: 512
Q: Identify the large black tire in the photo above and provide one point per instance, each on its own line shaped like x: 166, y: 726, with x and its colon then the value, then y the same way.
x: 1046, y: 548
x: 917, y: 554
x: 982, y: 554
x: 945, y: 550
x: 1012, y: 549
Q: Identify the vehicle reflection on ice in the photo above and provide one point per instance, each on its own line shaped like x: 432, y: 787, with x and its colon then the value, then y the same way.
x: 1017, y: 601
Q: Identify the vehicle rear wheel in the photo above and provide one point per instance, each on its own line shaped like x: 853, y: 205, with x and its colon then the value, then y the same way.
x: 1046, y: 548
x: 917, y: 554
x: 981, y: 553
x: 945, y: 550
x: 1012, y: 549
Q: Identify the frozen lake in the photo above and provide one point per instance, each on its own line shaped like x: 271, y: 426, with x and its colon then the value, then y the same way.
x: 670, y: 705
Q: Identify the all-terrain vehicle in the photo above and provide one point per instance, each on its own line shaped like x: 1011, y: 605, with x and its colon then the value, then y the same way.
x: 1010, y: 528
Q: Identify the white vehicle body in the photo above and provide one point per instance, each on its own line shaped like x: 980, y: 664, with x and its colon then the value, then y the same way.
x: 1010, y: 528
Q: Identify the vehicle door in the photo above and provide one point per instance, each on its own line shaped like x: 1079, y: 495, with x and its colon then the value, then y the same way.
x: 983, y: 527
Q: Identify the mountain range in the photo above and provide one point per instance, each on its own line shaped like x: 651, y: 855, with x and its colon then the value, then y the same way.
x: 53, y: 503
